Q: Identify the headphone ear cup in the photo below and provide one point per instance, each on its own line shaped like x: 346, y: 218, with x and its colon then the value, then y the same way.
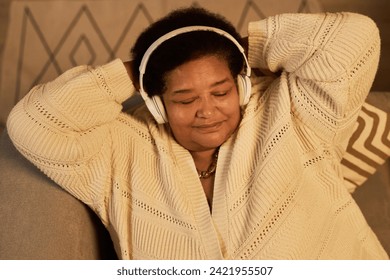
x: 244, y: 89
x: 156, y: 108
x: 160, y: 108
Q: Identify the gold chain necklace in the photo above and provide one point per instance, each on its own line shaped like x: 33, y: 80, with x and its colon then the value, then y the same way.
x: 212, y: 168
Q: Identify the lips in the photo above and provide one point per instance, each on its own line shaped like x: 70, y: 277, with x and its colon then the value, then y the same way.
x: 208, y: 128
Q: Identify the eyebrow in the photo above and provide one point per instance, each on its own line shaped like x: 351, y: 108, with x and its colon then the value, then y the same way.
x: 182, y: 91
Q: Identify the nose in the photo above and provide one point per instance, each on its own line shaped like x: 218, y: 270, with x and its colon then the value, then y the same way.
x: 206, y: 108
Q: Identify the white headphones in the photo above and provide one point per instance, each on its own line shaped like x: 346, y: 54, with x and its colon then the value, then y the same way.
x: 155, y: 104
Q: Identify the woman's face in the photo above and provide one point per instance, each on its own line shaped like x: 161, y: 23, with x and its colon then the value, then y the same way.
x: 202, y: 103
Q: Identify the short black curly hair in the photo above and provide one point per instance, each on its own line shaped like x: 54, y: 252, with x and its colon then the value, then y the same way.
x: 184, y: 47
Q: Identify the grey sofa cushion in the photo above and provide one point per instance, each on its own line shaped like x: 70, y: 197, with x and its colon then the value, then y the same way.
x: 41, y: 221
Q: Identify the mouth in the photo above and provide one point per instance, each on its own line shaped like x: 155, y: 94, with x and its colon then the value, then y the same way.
x: 209, y: 128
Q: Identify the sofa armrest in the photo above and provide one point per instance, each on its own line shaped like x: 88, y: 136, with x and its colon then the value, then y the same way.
x: 41, y: 221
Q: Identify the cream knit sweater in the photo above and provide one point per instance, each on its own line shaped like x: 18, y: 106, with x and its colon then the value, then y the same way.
x: 279, y: 192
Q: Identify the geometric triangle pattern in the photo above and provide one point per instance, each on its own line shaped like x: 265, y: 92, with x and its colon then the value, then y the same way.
x: 45, y: 38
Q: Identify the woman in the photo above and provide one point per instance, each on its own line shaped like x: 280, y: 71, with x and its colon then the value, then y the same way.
x: 200, y: 172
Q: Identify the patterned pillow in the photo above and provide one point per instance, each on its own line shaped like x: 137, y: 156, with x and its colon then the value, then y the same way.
x: 369, y: 146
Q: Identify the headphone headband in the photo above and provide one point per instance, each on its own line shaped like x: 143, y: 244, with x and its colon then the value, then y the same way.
x: 154, y: 104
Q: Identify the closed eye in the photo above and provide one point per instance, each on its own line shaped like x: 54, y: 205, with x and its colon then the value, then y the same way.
x: 186, y: 101
x: 222, y: 93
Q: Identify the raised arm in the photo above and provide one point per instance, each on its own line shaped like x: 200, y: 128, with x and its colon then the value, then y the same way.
x: 329, y: 62
x: 63, y: 126
x: 80, y: 103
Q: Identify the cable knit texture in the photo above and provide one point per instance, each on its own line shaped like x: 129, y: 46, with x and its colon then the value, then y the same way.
x: 278, y: 191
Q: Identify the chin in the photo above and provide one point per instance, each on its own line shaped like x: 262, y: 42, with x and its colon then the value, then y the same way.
x: 209, y: 143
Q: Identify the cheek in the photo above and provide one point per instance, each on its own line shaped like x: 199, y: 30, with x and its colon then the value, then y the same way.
x: 234, y: 118
x: 179, y: 118
x: 232, y: 106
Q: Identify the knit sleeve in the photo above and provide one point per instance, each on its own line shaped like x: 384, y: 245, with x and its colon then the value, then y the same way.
x: 328, y: 60
x: 63, y: 126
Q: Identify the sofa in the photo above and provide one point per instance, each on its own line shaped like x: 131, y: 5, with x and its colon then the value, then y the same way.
x: 41, y: 221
